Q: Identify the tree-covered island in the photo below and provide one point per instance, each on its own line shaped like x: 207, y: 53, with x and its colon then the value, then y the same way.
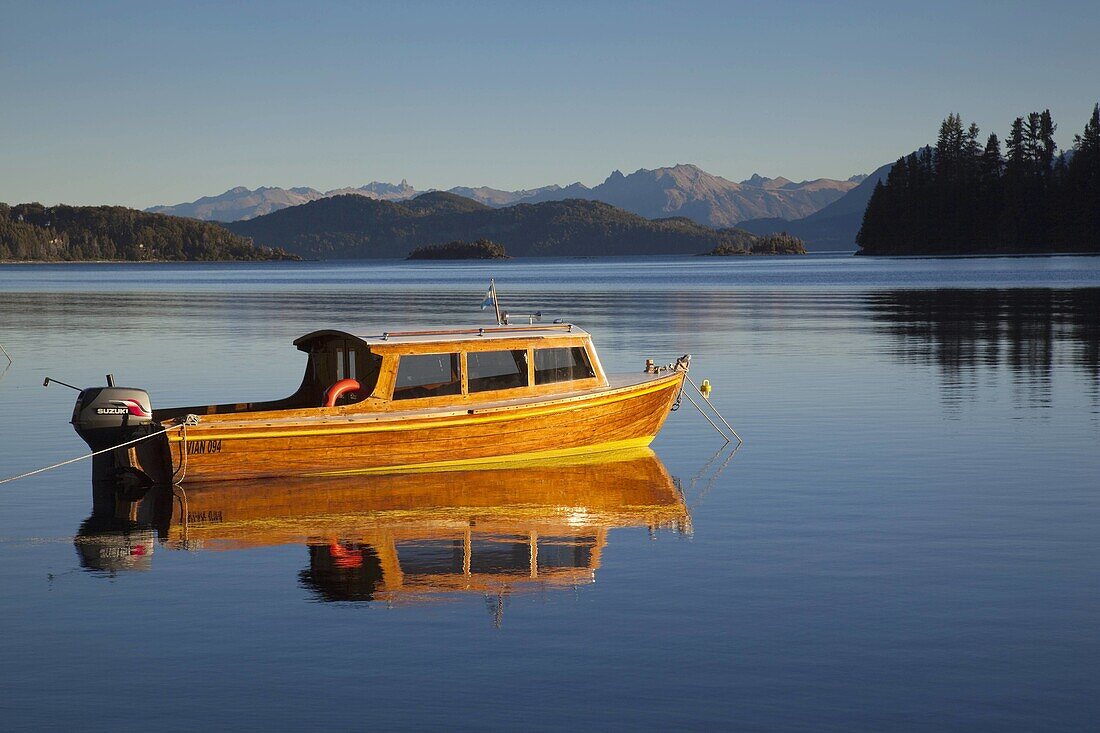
x: 482, y: 249
x: 779, y: 243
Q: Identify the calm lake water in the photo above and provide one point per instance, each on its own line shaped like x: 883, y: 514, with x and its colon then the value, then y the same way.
x: 908, y: 540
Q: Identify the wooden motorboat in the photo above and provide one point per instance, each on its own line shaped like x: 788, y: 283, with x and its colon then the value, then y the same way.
x: 498, y: 528
x: 396, y: 401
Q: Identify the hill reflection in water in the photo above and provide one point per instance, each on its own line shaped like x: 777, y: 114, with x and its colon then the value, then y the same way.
x: 405, y: 537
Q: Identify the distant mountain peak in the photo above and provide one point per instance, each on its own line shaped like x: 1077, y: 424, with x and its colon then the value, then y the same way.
x: 688, y: 170
x: 758, y: 181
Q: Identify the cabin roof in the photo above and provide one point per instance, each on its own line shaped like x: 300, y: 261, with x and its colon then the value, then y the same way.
x: 479, y: 334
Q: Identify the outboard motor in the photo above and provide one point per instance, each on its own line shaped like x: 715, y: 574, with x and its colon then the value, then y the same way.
x: 107, y: 416
x: 110, y: 417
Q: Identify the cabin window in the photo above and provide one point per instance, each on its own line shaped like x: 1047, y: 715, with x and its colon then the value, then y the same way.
x: 427, y: 375
x: 489, y: 370
x: 346, y: 361
x: 562, y: 365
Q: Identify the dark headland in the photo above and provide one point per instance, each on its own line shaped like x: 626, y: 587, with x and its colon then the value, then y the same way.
x: 960, y: 197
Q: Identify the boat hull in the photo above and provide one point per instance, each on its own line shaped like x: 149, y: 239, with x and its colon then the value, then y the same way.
x: 601, y: 420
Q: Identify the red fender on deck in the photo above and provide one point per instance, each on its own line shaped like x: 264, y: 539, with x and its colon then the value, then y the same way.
x: 340, y: 388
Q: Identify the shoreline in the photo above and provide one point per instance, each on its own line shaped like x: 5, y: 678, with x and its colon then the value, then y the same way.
x: 834, y: 253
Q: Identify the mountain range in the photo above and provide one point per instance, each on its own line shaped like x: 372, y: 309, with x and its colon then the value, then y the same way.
x: 245, y: 203
x: 682, y: 190
x: 689, y: 191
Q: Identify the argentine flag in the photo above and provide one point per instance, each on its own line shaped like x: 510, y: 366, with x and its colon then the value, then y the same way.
x: 490, y: 297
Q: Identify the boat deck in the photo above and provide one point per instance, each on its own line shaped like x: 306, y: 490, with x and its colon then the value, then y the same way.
x: 616, y: 383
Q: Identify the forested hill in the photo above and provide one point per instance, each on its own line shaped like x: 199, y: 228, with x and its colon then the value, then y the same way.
x: 963, y: 198
x: 355, y: 227
x: 74, y: 233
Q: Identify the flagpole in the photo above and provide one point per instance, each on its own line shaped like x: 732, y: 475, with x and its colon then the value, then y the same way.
x: 496, y: 303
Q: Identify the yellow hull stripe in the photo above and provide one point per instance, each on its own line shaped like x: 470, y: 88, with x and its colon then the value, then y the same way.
x: 515, y: 458
x: 201, y: 432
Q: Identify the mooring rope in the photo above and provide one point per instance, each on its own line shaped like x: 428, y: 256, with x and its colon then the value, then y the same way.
x: 180, y: 473
x: 89, y: 455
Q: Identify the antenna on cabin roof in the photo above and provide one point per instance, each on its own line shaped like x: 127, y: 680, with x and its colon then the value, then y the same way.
x: 512, y: 318
x: 491, y: 299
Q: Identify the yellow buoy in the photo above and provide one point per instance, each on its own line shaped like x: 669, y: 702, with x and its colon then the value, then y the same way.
x: 704, y: 388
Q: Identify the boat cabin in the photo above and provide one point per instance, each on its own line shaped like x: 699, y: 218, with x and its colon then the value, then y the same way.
x: 406, y: 370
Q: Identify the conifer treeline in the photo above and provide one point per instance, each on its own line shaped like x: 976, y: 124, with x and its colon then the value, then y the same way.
x: 963, y: 198
x: 74, y: 233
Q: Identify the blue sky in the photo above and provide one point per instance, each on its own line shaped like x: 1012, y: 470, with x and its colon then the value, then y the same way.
x: 145, y: 103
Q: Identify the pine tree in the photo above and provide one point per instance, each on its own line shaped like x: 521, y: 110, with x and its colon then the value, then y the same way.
x: 1087, y: 144
x: 949, y: 145
x: 1046, y: 145
x: 1017, y: 154
x: 991, y: 164
x: 1033, y: 145
x: 972, y: 149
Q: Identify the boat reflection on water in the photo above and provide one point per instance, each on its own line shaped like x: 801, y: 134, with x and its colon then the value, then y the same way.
x: 109, y: 545
x: 508, y: 528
